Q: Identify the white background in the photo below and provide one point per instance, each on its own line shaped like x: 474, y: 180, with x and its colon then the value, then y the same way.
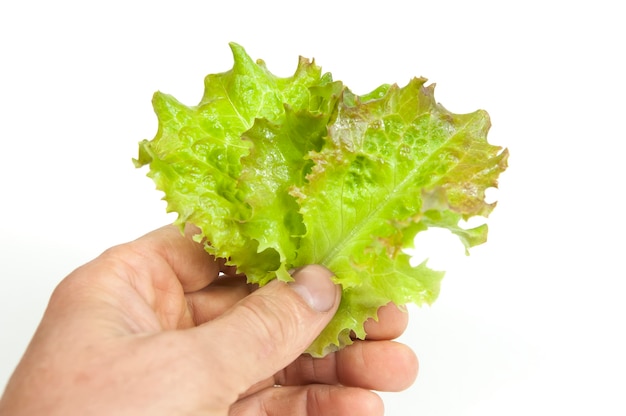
x: 530, y: 323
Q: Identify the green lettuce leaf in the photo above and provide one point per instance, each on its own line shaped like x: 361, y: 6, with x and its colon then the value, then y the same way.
x: 278, y: 173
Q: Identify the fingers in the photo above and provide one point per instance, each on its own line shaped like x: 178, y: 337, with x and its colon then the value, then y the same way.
x: 375, y: 365
x: 391, y: 323
x: 194, y: 267
x: 268, y: 329
x: 316, y: 400
x: 379, y: 365
x: 214, y: 300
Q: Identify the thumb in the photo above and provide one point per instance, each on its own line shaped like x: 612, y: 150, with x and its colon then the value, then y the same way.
x: 271, y: 327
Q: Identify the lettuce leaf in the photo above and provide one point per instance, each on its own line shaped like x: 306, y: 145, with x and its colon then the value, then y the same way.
x: 279, y: 172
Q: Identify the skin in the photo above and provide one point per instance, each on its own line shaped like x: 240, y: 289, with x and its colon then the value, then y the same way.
x: 157, y: 326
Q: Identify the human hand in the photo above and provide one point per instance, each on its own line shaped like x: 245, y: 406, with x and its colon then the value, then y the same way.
x: 153, y: 327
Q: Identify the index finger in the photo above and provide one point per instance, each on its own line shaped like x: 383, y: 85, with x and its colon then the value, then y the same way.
x: 390, y: 323
x: 194, y: 267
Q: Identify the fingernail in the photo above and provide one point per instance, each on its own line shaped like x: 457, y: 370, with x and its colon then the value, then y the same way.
x: 314, y: 285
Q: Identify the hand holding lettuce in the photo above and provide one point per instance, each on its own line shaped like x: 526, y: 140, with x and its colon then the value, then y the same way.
x: 278, y: 173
